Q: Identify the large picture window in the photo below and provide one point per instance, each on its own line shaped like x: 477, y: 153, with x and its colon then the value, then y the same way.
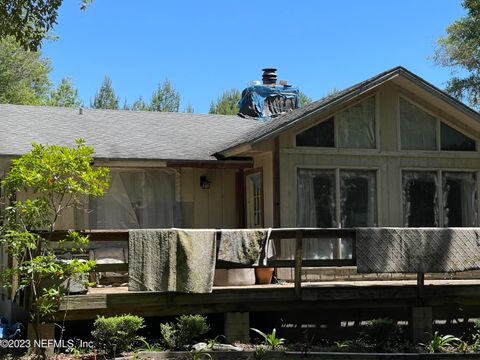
x: 425, y: 198
x: 136, y: 199
x: 351, y: 128
x: 334, y: 198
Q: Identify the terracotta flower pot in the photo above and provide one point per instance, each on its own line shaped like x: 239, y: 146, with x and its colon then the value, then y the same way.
x: 264, y: 275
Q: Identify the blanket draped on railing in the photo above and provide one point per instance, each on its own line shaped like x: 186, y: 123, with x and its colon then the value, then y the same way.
x: 413, y: 250
x: 181, y: 260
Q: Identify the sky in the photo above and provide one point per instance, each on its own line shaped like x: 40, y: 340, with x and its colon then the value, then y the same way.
x: 207, y: 47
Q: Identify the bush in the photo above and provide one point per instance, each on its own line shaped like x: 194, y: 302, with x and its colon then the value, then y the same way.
x: 186, y: 329
x: 114, y: 335
x: 383, y: 334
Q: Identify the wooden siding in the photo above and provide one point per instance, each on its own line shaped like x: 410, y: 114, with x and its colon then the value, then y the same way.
x: 207, y: 208
x: 387, y: 159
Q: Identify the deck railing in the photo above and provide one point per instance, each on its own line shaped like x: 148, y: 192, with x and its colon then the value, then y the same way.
x: 297, y: 235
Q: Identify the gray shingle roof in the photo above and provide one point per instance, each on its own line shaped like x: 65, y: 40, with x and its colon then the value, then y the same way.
x: 293, y: 118
x: 119, y: 134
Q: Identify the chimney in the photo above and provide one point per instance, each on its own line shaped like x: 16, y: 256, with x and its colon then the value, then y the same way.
x: 267, y: 100
x: 269, y: 76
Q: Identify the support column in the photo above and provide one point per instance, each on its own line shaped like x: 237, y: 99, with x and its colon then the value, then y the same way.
x: 237, y: 326
x: 421, y: 324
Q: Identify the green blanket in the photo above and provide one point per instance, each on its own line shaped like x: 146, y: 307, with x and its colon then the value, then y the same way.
x: 171, y: 260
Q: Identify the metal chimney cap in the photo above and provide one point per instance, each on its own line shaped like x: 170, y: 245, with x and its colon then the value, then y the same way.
x: 269, y: 76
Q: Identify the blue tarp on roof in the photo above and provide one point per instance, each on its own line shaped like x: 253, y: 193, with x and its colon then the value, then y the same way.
x: 264, y: 102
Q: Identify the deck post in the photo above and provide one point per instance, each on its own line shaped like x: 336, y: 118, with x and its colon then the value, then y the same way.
x: 237, y: 326
x: 298, y: 263
x: 420, y: 324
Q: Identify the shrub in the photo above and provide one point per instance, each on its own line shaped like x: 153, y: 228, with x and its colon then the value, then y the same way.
x: 186, y: 329
x: 116, y: 334
x: 383, y: 334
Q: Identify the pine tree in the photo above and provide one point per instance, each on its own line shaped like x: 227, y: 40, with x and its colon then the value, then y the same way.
x: 65, y: 94
x: 165, y: 98
x: 105, y: 98
x: 227, y: 104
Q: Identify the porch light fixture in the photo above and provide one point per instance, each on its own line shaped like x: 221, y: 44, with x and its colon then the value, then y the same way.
x: 205, y: 183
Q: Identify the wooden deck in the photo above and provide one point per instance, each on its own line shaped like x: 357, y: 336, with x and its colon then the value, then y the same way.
x: 446, y: 295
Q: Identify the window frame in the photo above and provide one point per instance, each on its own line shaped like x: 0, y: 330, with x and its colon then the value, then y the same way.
x: 250, y: 201
x: 335, y: 128
x: 337, y: 170
x: 439, y: 189
x: 438, y: 135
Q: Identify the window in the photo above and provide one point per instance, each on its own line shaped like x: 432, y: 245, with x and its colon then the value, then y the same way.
x: 420, y: 202
x: 254, y: 200
x: 460, y: 199
x: 136, y: 199
x: 417, y: 128
x: 351, y: 128
x: 454, y: 140
x: 357, y: 197
x: 319, y: 206
x: 320, y: 135
x: 418, y: 131
x: 424, y: 198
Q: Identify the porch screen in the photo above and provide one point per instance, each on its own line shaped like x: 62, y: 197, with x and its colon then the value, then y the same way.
x: 136, y: 199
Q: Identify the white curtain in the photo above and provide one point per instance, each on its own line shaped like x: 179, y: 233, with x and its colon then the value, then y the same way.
x: 137, y: 199
x: 308, y: 199
x: 417, y: 128
x: 356, y: 125
x: 467, y: 198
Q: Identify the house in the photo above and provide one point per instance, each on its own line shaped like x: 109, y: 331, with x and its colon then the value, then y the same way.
x: 390, y: 151
x: 393, y: 150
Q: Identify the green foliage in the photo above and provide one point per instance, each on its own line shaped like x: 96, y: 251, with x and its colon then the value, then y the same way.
x: 64, y: 95
x: 140, y: 105
x: 260, y: 352
x: 198, y: 355
x: 105, y: 98
x: 169, y: 335
x: 227, y: 104
x: 56, y: 178
x: 442, y: 343
x: 383, y: 334
x: 189, y: 109
x: 270, y: 339
x: 181, y: 334
x: 30, y: 21
x: 165, y: 98
x: 114, y: 335
x: 23, y: 74
x: 459, y: 50
x: 146, y: 346
x: 303, y: 99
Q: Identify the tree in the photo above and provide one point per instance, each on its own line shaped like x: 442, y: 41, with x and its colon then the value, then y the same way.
x: 165, y: 98
x: 23, y: 74
x: 58, y: 178
x: 105, y: 98
x: 189, y: 109
x: 304, y: 99
x: 65, y: 95
x: 140, y: 105
x: 227, y: 104
x: 29, y: 22
x: 460, y: 51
